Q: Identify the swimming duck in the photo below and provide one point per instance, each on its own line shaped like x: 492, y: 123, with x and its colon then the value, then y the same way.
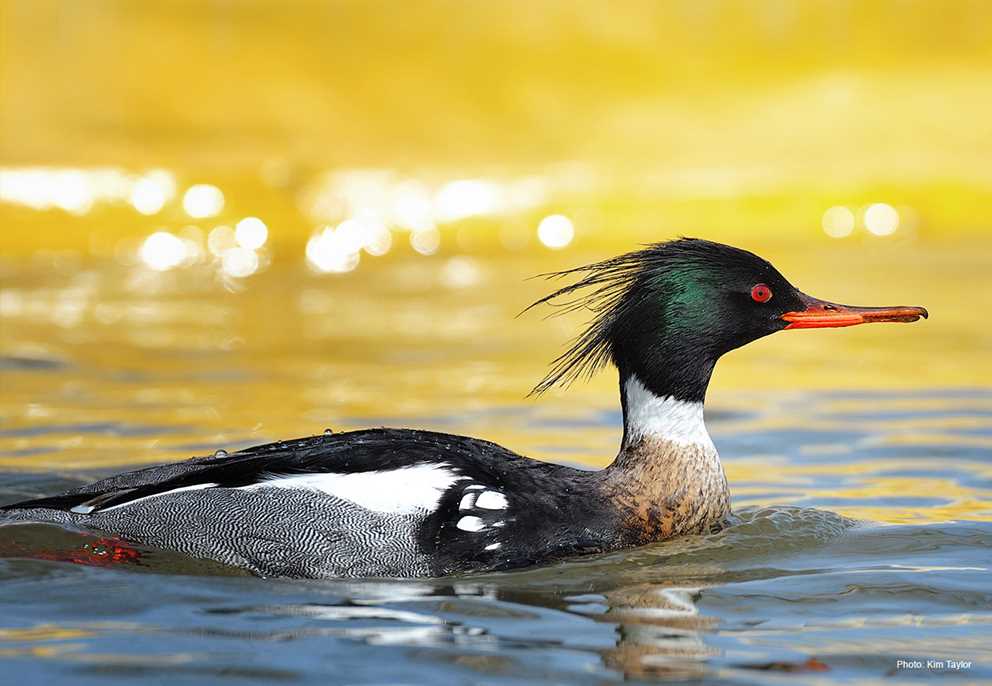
x: 410, y: 503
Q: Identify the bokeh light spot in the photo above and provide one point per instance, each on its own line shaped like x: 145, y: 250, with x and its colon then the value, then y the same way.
x: 162, y: 251
x: 203, y: 200
x: 374, y: 235
x: 239, y: 262
x: 881, y: 219
x: 556, y: 231
x: 350, y: 235
x: 426, y: 242
x: 333, y: 251
x: 251, y: 233
x: 221, y: 239
x: 838, y: 222
x: 151, y: 192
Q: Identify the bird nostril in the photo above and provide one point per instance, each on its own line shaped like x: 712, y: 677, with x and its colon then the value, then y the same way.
x: 828, y: 306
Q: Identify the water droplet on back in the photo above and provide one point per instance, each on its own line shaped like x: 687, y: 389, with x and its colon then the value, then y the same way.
x: 328, y: 432
x: 220, y: 452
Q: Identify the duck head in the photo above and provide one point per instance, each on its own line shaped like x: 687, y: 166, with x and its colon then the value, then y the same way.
x: 667, y: 313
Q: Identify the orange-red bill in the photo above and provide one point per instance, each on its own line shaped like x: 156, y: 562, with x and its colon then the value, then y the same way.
x: 821, y: 314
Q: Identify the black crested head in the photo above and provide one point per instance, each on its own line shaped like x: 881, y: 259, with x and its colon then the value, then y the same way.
x: 668, y: 312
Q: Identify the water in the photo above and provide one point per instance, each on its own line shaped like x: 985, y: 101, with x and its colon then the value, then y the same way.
x: 859, y: 462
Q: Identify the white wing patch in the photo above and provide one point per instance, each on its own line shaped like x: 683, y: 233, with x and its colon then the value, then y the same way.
x: 476, y: 497
x: 406, y: 490
x: 491, y: 500
x: 470, y: 524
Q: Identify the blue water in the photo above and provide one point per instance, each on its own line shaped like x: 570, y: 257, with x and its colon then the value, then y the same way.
x: 792, y: 593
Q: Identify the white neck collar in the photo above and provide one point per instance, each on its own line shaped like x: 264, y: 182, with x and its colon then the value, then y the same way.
x: 650, y: 416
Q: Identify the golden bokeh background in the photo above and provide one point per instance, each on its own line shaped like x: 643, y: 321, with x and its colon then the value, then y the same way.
x: 718, y: 117
x: 253, y: 218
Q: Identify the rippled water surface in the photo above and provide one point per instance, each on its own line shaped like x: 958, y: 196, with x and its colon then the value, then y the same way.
x: 859, y: 462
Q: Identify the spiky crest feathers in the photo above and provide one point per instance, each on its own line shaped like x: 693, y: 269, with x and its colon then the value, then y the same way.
x: 618, y: 288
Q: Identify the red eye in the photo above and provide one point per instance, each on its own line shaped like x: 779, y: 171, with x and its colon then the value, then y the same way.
x: 761, y: 293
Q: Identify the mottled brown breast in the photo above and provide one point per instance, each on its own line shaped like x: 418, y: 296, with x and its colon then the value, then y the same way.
x: 663, y: 489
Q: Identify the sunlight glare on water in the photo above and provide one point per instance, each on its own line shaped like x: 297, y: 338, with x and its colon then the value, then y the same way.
x: 556, y: 231
x: 203, y: 200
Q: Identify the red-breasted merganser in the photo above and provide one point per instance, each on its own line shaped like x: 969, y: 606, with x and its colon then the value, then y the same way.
x: 410, y: 503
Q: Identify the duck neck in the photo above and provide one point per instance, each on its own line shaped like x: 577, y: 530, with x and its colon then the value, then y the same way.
x: 667, y: 473
x: 648, y: 416
x: 650, y: 413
